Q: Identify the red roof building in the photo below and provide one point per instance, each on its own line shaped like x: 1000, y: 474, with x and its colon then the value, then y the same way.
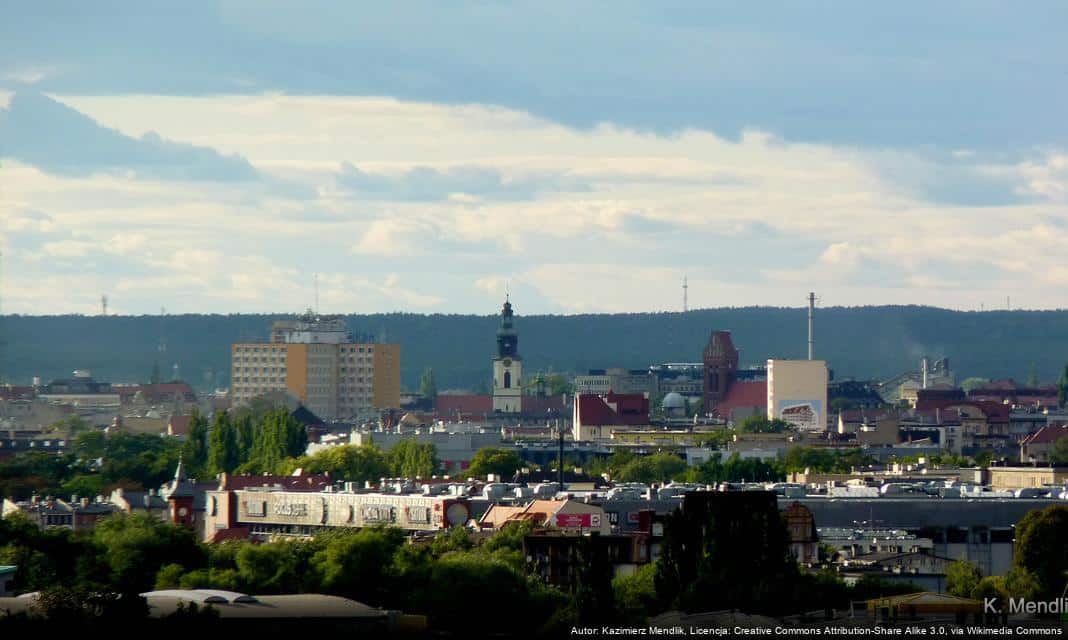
x: 313, y: 483
x: 594, y: 416
x: 1038, y: 446
x: 743, y: 399
x: 463, y: 406
x: 179, y: 425
x: 164, y: 392
x: 12, y: 392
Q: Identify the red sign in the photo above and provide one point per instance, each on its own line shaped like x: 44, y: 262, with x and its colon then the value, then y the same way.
x: 578, y: 520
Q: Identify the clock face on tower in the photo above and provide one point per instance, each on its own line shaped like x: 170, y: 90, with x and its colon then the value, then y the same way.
x: 507, y: 362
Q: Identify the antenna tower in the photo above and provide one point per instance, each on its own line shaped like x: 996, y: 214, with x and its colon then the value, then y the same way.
x: 104, y: 304
x: 162, y: 335
x: 685, y: 295
x: 811, y: 326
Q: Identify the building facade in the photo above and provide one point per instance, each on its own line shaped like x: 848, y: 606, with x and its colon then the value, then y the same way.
x: 80, y: 391
x: 720, y: 362
x: 268, y: 512
x: 619, y: 380
x: 507, y: 366
x: 316, y: 360
x: 797, y: 393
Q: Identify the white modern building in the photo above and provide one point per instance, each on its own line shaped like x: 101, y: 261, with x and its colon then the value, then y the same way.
x: 797, y: 393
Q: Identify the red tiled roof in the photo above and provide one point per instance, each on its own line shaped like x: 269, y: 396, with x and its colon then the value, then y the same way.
x: 1002, y: 385
x: 289, y: 483
x: 997, y: 411
x: 1047, y: 434
x: 743, y: 395
x: 179, y: 425
x: 544, y: 404
x: 860, y: 415
x: 630, y: 408
x: 232, y: 533
x: 10, y: 392
x: 453, y: 404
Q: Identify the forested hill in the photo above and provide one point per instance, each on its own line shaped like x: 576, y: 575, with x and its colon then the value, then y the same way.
x: 859, y: 342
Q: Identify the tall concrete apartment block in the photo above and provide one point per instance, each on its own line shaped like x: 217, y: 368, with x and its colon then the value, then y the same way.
x: 797, y: 393
x: 316, y: 359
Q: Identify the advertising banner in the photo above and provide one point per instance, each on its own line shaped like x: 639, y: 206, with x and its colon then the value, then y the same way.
x: 803, y: 414
x: 578, y: 520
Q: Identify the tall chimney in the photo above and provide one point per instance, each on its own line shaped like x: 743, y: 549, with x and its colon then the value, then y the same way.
x: 811, y: 325
x: 923, y: 369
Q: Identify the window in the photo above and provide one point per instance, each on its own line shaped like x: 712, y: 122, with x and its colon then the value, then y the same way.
x: 507, y: 379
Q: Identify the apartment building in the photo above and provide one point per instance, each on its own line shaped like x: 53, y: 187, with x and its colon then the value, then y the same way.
x: 317, y: 360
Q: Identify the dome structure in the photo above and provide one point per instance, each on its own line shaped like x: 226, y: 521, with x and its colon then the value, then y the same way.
x: 674, y: 402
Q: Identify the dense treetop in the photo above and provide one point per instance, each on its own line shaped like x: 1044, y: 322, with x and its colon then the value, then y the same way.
x: 861, y: 342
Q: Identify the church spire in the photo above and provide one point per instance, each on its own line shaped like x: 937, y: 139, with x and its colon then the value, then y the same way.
x: 507, y: 337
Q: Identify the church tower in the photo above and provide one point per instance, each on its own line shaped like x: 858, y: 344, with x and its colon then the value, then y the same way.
x: 507, y: 366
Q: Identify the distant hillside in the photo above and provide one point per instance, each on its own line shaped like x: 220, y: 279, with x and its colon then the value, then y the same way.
x: 862, y: 342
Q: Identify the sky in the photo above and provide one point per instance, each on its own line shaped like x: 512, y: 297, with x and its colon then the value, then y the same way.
x: 223, y: 157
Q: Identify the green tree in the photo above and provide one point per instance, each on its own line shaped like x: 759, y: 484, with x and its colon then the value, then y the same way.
x: 735, y: 469
x: 428, y: 386
x: 659, y: 467
x: 984, y: 458
x: 842, y: 404
x: 635, y: 594
x: 136, y: 547
x: 223, y: 453
x: 195, y: 449
x: 1040, y: 547
x: 455, y: 539
x: 611, y: 465
x: 501, y: 462
x: 140, y: 460
x: 972, y: 383
x: 410, y: 459
x: 359, y: 564
x: 280, y: 567
x: 1021, y: 583
x: 278, y: 436
x: 344, y: 462
x: 962, y: 579
x: 990, y: 587
x: 759, y: 423
x: 1059, y: 453
x: 558, y: 384
x: 245, y: 436
x: 90, y: 445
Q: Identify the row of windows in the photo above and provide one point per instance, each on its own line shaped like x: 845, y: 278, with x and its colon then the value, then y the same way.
x: 260, y: 380
x: 278, y: 350
x: 248, y: 359
x: 256, y: 390
x: 246, y: 370
x: 264, y: 349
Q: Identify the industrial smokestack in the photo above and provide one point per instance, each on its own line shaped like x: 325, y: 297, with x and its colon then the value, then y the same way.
x: 924, y: 367
x: 811, y: 326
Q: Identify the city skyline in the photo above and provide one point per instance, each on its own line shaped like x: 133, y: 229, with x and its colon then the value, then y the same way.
x: 221, y: 159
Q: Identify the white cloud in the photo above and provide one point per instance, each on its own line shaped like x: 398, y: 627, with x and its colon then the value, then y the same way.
x: 393, y: 238
x: 28, y: 75
x: 750, y: 221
